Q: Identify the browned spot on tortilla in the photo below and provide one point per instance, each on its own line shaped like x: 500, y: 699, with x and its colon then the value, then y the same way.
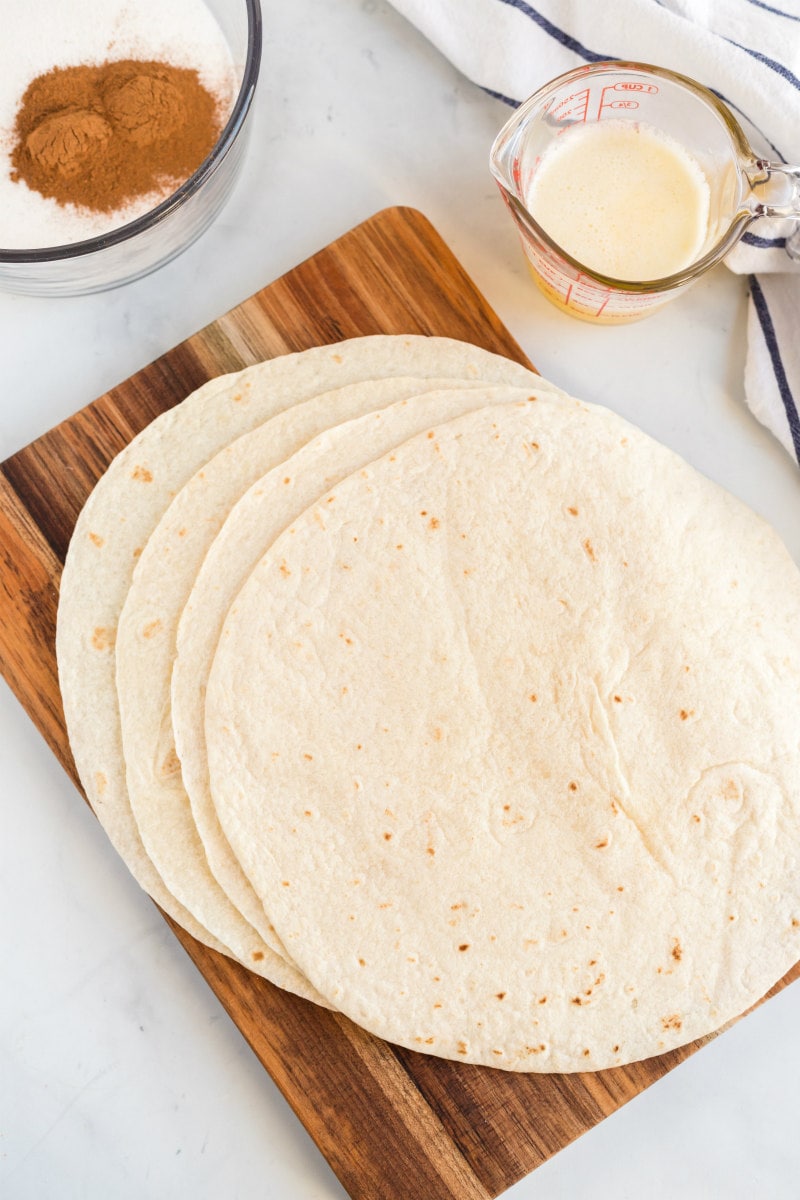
x: 284, y: 570
x: 535, y: 445
x: 573, y: 787
x: 623, y: 441
x: 620, y: 888
x: 572, y: 510
x: 337, y: 358
x: 137, y: 551
x: 618, y: 699
x: 424, y: 512
x: 676, y: 951
x: 686, y: 713
x: 310, y: 757
x: 183, y: 531
x: 601, y: 845
x: 100, y: 782
x: 696, y: 818
x: 151, y: 629
x: 387, y: 837
x: 535, y: 1049
x: 285, y: 883
x: 431, y: 434
x: 103, y: 638
x: 615, y: 1049
x: 399, y: 546
x: 501, y: 995
x: 361, y: 962
x: 171, y: 764
x: 533, y: 697
x: 142, y: 475
x: 330, y: 500
x: 673, y: 1021
x: 586, y: 1054
x: 587, y: 545
x: 346, y: 639
x: 577, y: 1000
x: 497, y: 1052
x: 437, y: 734
x: 434, y: 523
x: 257, y: 955
x: 96, y: 539
x: 532, y: 399
x: 464, y: 946
x: 431, y: 850
x: 455, y: 907
x: 462, y: 1047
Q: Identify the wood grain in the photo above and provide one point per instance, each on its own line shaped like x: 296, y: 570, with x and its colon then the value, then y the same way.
x: 393, y: 1124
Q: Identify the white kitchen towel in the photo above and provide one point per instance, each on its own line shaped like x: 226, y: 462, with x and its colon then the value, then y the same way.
x: 747, y: 51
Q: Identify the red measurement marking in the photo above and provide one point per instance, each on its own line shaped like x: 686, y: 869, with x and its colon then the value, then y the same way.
x: 573, y: 108
x: 644, y: 89
x: 651, y: 89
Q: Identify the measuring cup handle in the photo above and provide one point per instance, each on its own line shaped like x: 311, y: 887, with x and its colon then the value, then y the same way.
x: 775, y: 189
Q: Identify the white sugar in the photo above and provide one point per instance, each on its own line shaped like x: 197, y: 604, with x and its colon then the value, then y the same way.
x: 43, y: 34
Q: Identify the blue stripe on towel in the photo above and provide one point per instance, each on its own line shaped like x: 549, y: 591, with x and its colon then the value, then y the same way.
x: 499, y: 96
x: 753, y: 239
x: 778, y: 11
x: 779, y: 68
x: 560, y: 35
x: 768, y: 330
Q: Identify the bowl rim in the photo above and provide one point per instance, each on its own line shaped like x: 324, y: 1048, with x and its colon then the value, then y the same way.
x: 176, y: 199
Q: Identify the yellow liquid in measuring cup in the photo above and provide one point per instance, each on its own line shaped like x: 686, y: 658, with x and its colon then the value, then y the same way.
x: 623, y: 199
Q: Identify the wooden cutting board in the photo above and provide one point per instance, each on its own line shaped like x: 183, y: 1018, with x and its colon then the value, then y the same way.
x: 392, y: 1123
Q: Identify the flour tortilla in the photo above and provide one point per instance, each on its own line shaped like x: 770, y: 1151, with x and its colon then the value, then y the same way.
x: 255, y: 521
x: 146, y: 634
x: 515, y: 773
x: 125, y: 507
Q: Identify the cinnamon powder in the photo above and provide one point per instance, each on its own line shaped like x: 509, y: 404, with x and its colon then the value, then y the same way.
x: 101, y: 136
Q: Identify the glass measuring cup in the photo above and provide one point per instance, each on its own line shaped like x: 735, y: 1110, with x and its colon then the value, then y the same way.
x: 742, y: 186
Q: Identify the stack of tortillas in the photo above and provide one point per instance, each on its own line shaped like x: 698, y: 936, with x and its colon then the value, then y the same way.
x: 438, y: 697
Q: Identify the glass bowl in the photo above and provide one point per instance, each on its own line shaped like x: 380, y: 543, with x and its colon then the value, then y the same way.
x: 149, y: 241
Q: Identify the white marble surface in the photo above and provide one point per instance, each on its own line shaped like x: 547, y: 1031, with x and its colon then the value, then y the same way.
x: 120, y: 1075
